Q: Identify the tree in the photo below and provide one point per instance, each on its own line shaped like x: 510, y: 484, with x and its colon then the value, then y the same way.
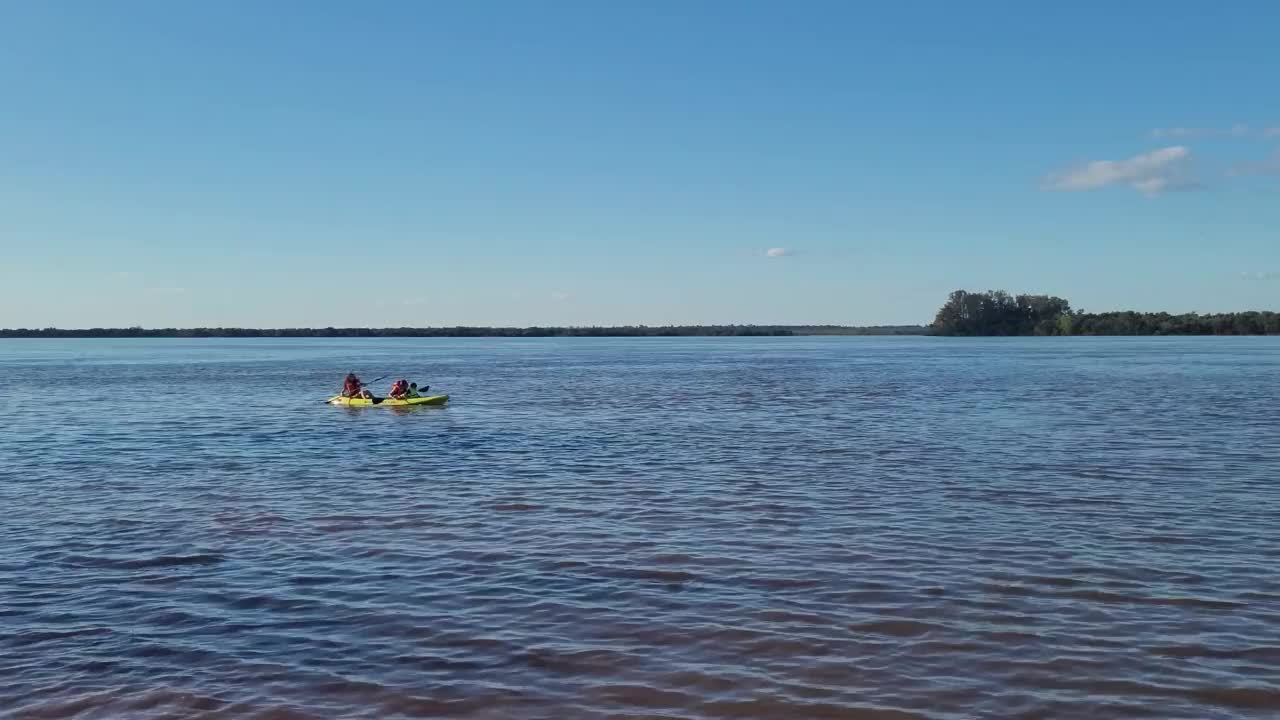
x: 995, y: 313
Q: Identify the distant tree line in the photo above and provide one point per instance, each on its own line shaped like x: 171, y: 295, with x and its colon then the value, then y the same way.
x: 455, y: 332
x: 996, y: 312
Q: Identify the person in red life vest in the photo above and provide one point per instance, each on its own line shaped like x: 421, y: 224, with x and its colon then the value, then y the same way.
x: 399, y: 390
x: 353, y: 388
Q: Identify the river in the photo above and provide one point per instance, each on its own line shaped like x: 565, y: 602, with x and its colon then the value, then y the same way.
x: 642, y: 528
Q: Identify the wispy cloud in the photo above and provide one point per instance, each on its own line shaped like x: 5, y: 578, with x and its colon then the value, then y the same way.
x: 561, y: 296
x: 778, y: 252
x: 1264, y: 275
x: 1150, y: 173
x: 1269, y: 166
x: 1235, y: 131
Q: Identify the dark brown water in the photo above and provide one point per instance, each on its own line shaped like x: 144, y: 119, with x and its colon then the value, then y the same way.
x: 781, y: 528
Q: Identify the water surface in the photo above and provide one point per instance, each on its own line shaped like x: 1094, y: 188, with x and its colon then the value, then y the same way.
x: 642, y: 528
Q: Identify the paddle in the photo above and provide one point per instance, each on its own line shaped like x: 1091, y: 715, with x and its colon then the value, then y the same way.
x: 362, y: 384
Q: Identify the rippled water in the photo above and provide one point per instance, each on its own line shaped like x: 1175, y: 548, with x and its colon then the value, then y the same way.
x: 728, y: 528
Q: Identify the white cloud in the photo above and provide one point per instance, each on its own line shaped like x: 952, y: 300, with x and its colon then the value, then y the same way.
x: 1149, y: 173
x: 777, y: 252
x: 1151, y: 186
x: 1266, y: 275
x: 560, y: 296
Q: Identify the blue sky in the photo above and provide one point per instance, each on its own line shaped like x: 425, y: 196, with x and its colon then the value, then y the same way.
x: 583, y: 162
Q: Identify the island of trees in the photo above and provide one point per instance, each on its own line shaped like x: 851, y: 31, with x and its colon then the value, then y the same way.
x: 996, y: 312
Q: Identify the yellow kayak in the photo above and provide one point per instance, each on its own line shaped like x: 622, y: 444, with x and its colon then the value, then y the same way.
x: 388, y: 402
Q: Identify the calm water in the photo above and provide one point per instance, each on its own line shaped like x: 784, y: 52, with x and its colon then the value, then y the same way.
x: 728, y: 528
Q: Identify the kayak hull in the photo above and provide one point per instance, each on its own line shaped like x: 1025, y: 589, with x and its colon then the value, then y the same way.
x: 388, y: 402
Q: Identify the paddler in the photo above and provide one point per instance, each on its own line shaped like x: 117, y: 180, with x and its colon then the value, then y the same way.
x: 353, y: 388
x: 399, y: 390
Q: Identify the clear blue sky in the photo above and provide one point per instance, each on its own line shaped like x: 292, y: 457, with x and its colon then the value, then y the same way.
x: 582, y: 162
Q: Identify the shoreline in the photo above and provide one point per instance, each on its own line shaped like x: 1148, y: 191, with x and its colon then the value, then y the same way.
x: 620, y: 331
